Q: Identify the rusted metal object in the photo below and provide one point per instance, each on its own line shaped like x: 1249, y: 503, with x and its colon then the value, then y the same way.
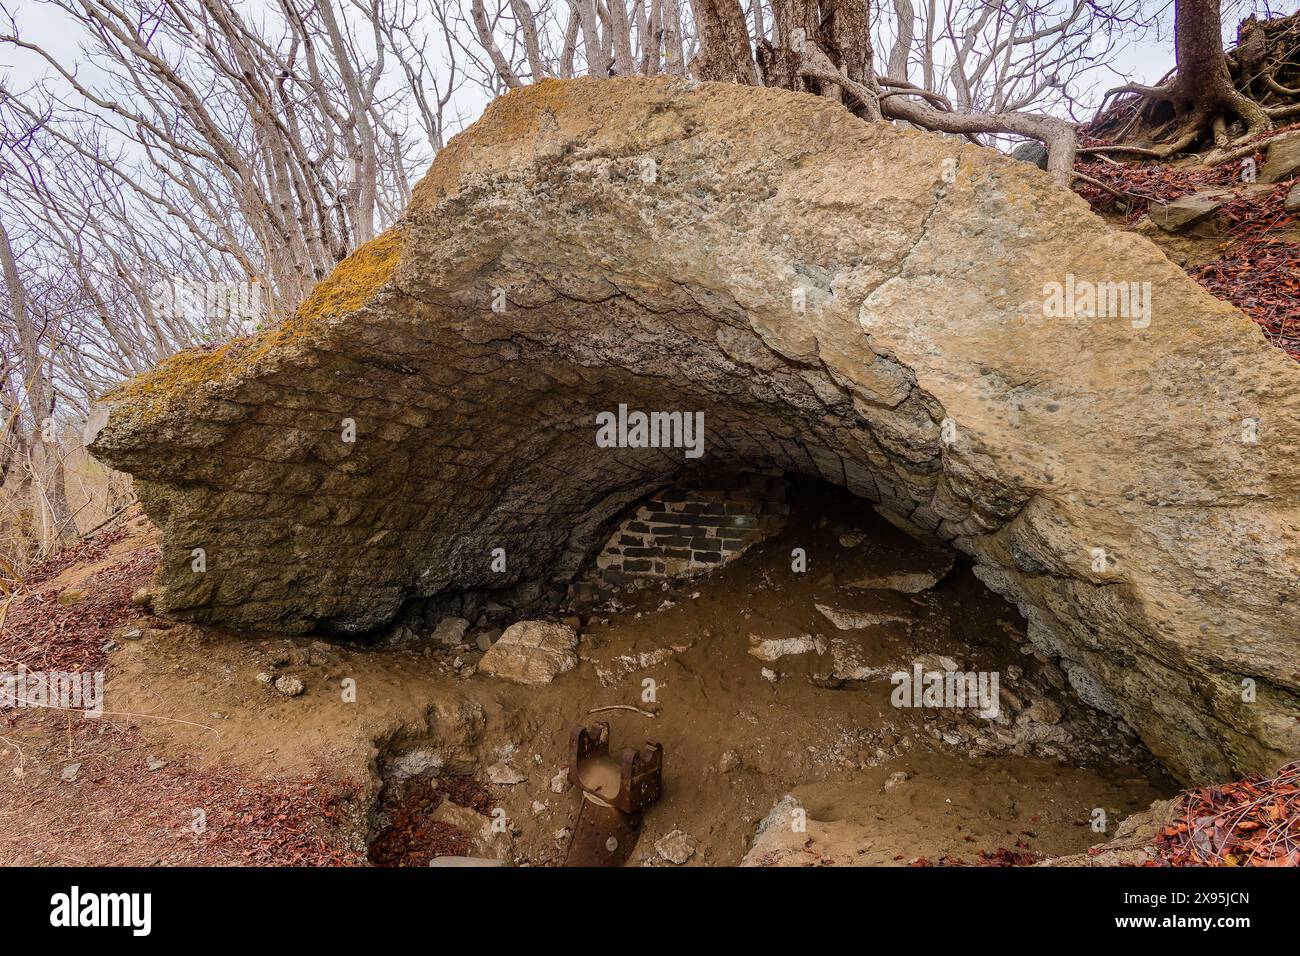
x: 614, y: 792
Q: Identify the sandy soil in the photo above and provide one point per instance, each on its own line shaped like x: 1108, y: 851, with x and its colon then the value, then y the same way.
x: 341, y: 770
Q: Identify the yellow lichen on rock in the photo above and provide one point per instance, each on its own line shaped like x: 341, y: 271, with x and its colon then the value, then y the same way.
x: 181, y: 378
x: 353, y: 281
x: 518, y: 117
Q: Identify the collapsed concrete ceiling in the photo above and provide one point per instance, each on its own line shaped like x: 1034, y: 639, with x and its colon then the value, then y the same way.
x: 875, y: 306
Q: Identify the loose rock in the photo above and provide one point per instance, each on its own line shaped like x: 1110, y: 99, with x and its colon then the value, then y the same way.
x: 450, y: 631
x: 290, y: 686
x: 531, y: 652
x: 677, y: 847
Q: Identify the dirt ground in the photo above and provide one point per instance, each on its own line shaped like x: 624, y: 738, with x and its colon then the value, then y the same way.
x: 397, y: 751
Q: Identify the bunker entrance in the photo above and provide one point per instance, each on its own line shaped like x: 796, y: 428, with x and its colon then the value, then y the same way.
x: 827, y: 669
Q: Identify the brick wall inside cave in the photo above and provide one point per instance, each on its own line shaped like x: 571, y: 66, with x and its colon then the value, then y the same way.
x: 694, y: 526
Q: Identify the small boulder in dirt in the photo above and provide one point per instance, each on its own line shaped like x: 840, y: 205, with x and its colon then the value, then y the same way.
x: 1185, y: 212
x: 531, y: 652
x: 849, y: 620
x: 142, y: 597
x: 897, y: 780
x: 905, y: 582
x: 70, y: 596
x: 774, y: 648
x: 677, y: 847
x: 289, y: 686
x: 321, y: 654
x: 1283, y: 160
x: 504, y: 775
x: 450, y: 631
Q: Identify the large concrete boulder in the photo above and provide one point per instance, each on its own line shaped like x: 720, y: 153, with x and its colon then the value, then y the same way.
x: 896, y: 312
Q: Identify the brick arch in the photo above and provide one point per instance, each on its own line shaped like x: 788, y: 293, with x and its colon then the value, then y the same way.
x: 839, y: 299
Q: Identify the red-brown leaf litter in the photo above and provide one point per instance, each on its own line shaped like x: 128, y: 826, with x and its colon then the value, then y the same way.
x: 1258, y: 270
x: 1252, y: 822
x: 84, y: 791
x: 411, y: 838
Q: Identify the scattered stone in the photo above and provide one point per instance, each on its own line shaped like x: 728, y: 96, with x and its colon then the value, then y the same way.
x: 321, y: 654
x: 560, y: 782
x: 531, y: 652
x: 897, y: 779
x: 538, y: 808
x: 615, y: 661
x: 1030, y: 731
x: 450, y: 631
x: 1292, y: 201
x: 486, y: 639
x: 903, y: 582
x: 1032, y: 152
x: 1185, y: 212
x: 677, y: 847
x: 852, y: 539
x: 730, y: 761
x: 289, y: 685
x: 502, y: 774
x: 154, y: 763
x: 131, y: 634
x: 142, y: 597
x: 846, y: 620
x: 69, y: 773
x: 908, y: 582
x: 70, y: 596
x: 265, y: 678
x: 774, y: 648
x: 850, y: 661
x: 768, y: 674
x: 1283, y: 160
x: 1045, y: 711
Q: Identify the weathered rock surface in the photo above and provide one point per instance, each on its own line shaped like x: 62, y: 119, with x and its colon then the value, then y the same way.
x: 450, y: 631
x: 677, y: 847
x: 531, y: 652
x: 774, y: 648
x: 1283, y: 159
x: 846, y: 619
x: 1187, y: 211
x: 850, y: 300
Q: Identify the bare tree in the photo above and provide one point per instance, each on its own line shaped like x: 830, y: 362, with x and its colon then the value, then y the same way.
x: 295, y: 132
x: 1210, y: 89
